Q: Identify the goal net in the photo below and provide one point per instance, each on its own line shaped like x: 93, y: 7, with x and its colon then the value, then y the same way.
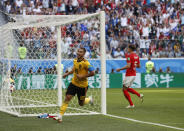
x: 34, y: 53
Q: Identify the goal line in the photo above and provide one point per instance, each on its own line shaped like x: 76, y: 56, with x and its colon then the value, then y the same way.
x: 144, y: 122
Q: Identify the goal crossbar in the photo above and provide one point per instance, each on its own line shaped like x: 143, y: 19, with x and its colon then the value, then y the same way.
x: 47, y: 21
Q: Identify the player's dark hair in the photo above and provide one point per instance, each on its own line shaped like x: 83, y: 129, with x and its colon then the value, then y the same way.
x: 132, y: 47
x: 84, y: 49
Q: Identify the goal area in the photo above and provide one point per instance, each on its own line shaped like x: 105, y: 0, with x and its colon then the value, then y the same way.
x: 35, y: 51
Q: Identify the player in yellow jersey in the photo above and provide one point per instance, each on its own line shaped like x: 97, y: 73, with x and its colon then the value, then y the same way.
x: 79, y: 85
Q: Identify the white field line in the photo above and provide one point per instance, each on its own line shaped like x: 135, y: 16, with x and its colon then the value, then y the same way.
x: 83, y: 110
x: 144, y: 122
x: 175, y: 123
x: 56, y: 114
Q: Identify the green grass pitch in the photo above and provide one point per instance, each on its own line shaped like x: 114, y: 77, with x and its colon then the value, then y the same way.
x: 164, y: 106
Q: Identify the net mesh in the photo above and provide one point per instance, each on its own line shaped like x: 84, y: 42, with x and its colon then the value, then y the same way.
x: 28, y: 79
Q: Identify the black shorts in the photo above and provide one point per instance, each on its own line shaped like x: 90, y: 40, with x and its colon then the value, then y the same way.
x: 81, y: 92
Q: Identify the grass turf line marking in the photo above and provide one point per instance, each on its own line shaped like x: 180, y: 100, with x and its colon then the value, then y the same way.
x: 144, y: 122
x: 176, y: 123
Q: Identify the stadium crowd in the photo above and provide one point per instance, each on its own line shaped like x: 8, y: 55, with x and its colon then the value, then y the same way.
x: 156, y: 27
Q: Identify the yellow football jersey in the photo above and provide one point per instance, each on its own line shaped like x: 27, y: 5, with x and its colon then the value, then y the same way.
x: 81, y: 68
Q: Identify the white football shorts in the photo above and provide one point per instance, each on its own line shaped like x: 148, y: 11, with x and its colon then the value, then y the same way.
x: 128, y: 81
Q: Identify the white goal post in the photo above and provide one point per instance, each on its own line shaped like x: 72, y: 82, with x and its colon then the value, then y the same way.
x: 30, y: 82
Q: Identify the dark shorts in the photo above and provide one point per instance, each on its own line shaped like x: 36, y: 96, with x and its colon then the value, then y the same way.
x: 81, y: 92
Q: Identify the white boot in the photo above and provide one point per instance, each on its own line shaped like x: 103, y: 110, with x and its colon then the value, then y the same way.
x: 91, y: 102
x: 141, y: 97
x: 129, y: 106
x: 58, y: 118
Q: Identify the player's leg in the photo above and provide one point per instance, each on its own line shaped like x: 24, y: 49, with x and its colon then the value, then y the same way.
x: 131, y: 90
x: 126, y: 85
x: 88, y: 100
x: 127, y: 96
x: 64, y: 106
x: 71, y: 91
x: 81, y: 94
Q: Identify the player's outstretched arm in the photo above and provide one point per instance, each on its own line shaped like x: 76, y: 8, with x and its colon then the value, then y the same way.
x: 91, y: 73
x: 68, y: 73
x: 123, y: 68
x: 138, y: 66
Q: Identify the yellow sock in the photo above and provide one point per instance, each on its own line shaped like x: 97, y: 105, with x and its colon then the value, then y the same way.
x: 63, y: 108
x: 86, y: 101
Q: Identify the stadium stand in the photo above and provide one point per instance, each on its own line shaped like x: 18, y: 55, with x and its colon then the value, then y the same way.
x: 155, y: 26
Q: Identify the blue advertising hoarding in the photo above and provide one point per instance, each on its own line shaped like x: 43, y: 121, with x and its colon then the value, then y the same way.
x: 176, y: 65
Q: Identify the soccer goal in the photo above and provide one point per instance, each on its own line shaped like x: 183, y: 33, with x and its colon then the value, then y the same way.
x: 34, y: 53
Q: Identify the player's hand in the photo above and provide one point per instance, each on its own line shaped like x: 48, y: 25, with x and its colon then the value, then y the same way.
x: 118, y: 70
x: 65, y: 75
x: 80, y: 77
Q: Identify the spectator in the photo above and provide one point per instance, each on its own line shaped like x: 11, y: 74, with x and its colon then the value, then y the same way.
x: 163, y: 53
x: 75, y: 4
x: 45, y: 4
x: 19, y: 71
x: 69, y: 8
x: 182, y: 47
x: 155, y: 54
x: 63, y: 7
x: 37, y: 10
x: 153, y: 70
x: 168, y: 70
x: 65, y: 47
x: 30, y: 72
x: 114, y: 43
x: 18, y: 3
x: 149, y: 65
x: 118, y: 53
x: 152, y: 3
x: 108, y: 55
x: 55, y: 69
x: 144, y: 54
x: 46, y: 71
x: 182, y: 18
x: 39, y: 71
x: 8, y: 7
x: 72, y: 54
x: 147, y: 44
x: 97, y: 71
x: 160, y: 70
x: 22, y: 51
x: 170, y: 54
x: 94, y: 54
x: 87, y: 54
x: 50, y: 71
x: 124, y: 21
x: 178, y: 53
x: 13, y: 71
x: 145, y: 31
x: 142, y: 45
x: 68, y: 39
x: 112, y: 71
